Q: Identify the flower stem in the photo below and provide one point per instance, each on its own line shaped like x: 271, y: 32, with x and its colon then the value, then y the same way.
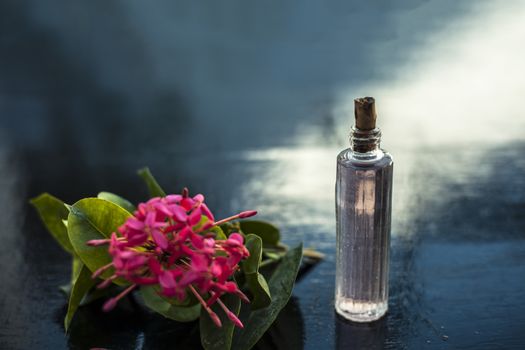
x: 242, y: 215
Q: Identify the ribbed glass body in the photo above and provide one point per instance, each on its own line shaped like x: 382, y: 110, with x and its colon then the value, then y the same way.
x: 363, y: 213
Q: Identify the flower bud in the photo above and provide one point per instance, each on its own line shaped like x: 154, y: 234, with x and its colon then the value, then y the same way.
x: 97, y: 242
x: 110, y: 304
x: 234, y: 319
x: 215, y: 318
x: 247, y: 214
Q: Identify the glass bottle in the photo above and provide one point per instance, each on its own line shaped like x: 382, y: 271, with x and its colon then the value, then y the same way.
x: 363, y: 212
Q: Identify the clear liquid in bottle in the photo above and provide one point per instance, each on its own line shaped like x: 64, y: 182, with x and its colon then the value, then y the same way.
x: 363, y: 214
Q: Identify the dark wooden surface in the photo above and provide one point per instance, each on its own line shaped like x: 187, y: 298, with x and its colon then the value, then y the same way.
x: 250, y: 106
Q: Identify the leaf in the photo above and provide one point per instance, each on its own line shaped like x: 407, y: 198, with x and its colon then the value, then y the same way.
x: 94, y: 218
x: 230, y: 227
x: 256, y: 282
x: 52, y: 211
x: 76, y: 266
x: 254, y: 245
x: 219, y: 233
x: 217, y: 230
x: 153, y: 186
x: 118, y: 200
x: 272, y: 255
x: 286, y: 332
x: 189, y: 300
x: 269, y: 233
x: 259, y: 288
x: 213, y: 337
x: 66, y: 289
x: 178, y: 313
x: 81, y: 285
x: 281, y: 286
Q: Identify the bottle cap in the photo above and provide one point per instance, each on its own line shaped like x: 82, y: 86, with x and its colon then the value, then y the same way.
x: 365, y: 113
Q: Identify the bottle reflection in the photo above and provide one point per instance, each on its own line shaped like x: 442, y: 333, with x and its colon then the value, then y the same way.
x: 356, y: 336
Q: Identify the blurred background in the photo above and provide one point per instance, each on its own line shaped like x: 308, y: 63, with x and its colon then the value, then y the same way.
x: 249, y: 103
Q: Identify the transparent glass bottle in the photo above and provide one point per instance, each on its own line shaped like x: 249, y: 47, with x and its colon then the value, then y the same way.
x: 363, y: 214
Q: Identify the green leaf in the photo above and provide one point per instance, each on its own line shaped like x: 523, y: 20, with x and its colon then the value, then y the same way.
x: 94, y: 218
x: 272, y: 255
x: 269, y: 233
x: 281, y: 286
x: 260, y: 291
x: 76, y: 266
x: 118, y: 200
x: 256, y: 282
x: 52, y: 211
x: 213, y: 337
x: 254, y: 245
x: 178, y: 313
x: 66, y: 289
x: 217, y: 230
x: 286, y: 332
x: 94, y: 293
x: 189, y: 300
x: 153, y: 186
x: 81, y: 285
x: 230, y: 227
x: 219, y: 233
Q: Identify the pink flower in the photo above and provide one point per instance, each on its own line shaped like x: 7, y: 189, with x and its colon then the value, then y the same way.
x: 168, y: 242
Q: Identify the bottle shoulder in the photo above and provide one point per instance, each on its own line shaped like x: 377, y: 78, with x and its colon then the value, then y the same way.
x: 349, y: 158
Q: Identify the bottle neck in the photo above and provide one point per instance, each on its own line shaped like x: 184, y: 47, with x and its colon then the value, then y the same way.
x: 365, y: 143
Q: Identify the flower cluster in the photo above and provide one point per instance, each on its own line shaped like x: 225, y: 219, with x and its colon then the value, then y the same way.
x: 169, y: 242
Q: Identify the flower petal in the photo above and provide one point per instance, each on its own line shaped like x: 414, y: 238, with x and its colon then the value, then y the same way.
x: 135, y: 224
x: 187, y: 203
x: 235, y: 238
x: 154, y: 266
x: 160, y: 239
x: 179, y: 213
x: 166, y: 280
x: 195, y: 216
x: 206, y: 211
x: 173, y: 198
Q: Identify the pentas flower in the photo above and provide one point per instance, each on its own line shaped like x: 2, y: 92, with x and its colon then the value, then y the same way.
x: 168, y: 243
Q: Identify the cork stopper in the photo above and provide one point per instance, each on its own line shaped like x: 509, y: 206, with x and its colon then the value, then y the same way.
x: 365, y: 113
